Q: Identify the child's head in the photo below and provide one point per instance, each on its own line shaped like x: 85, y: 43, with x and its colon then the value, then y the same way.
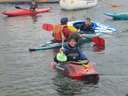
x: 88, y: 21
x: 73, y: 39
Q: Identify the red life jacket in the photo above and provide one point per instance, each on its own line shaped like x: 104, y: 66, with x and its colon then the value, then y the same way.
x: 57, y: 32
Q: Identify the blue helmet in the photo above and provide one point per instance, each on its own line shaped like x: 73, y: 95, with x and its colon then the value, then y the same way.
x: 64, y: 20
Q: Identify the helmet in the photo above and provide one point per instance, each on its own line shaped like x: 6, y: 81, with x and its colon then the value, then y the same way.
x: 64, y: 20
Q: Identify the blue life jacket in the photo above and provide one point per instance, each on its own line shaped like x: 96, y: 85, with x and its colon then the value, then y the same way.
x: 73, y: 53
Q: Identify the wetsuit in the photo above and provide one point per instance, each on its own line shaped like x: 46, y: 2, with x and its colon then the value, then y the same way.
x: 87, y: 29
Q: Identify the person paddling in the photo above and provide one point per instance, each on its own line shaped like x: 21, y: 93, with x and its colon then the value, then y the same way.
x: 33, y: 5
x: 61, y: 28
x: 72, y: 50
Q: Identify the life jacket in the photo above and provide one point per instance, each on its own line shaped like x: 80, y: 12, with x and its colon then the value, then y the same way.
x: 72, y: 28
x: 57, y: 32
x: 71, y: 53
x: 73, y: 56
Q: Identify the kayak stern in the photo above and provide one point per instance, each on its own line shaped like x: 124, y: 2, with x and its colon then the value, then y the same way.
x: 86, y: 73
x: 90, y: 78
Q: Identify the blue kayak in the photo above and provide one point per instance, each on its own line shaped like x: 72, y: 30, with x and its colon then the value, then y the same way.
x: 98, y: 27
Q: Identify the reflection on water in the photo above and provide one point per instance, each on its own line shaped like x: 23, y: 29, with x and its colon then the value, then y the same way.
x: 64, y: 86
x: 34, y: 18
x: 68, y: 87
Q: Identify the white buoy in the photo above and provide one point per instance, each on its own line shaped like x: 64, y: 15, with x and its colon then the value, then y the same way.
x: 77, y: 4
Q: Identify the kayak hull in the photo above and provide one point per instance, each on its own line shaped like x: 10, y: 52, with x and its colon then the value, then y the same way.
x: 86, y: 73
x: 118, y: 16
x: 51, y: 45
x: 22, y: 12
x: 46, y: 46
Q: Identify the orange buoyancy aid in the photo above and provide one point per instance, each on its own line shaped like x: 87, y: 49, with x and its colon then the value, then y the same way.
x: 57, y: 32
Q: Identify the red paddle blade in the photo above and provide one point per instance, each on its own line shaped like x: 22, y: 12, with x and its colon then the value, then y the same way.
x: 98, y: 42
x: 47, y: 27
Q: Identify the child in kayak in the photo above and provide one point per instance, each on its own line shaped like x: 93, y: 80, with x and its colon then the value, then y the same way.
x: 87, y: 27
x: 60, y: 29
x: 33, y: 5
x: 72, y: 50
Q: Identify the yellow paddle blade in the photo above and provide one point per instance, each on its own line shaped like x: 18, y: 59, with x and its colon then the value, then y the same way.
x: 71, y: 28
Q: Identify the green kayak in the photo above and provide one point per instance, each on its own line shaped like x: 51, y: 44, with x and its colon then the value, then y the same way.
x: 118, y: 15
x: 51, y: 45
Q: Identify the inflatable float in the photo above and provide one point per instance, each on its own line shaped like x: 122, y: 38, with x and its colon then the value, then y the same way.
x: 77, y: 4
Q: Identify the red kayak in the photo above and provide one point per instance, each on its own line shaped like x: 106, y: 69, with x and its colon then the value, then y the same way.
x: 21, y: 12
x: 84, y: 72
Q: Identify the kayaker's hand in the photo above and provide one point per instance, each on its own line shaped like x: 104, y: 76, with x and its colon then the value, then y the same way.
x: 78, y: 30
x: 61, y: 49
x: 82, y: 35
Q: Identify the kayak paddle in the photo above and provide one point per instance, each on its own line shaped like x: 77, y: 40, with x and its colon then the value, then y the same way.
x: 99, y: 43
x: 17, y: 7
x: 61, y: 56
x: 47, y: 27
x: 50, y: 27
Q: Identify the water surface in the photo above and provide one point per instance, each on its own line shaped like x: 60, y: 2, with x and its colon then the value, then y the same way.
x: 29, y: 74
